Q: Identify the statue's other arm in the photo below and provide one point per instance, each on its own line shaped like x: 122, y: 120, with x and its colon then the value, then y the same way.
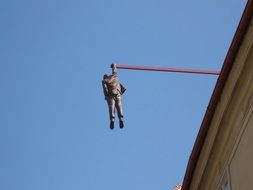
x: 105, y: 89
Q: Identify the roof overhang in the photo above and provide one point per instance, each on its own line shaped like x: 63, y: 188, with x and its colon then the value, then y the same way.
x: 226, y: 68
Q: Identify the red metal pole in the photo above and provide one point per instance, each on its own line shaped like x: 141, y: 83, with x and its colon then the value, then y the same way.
x: 147, y: 68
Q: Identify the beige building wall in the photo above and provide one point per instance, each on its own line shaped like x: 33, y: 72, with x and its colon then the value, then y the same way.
x: 241, y: 166
x: 226, y: 160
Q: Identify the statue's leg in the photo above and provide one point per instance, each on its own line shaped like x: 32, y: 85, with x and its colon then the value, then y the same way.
x: 111, y: 106
x: 120, y: 111
x: 119, y: 107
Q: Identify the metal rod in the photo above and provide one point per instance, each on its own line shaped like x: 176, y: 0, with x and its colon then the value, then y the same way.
x: 147, y: 68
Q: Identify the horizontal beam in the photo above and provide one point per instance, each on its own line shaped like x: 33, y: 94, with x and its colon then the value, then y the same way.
x: 147, y: 68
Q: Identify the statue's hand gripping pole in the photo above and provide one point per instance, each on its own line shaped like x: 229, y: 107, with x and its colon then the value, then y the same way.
x: 113, y: 66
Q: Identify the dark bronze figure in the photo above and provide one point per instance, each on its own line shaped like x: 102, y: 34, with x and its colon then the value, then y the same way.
x: 113, y: 91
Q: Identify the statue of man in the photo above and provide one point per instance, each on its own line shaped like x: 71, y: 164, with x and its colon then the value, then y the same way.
x: 113, y: 90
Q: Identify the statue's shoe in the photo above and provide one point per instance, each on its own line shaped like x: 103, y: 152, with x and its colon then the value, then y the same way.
x: 112, y: 125
x: 121, y: 124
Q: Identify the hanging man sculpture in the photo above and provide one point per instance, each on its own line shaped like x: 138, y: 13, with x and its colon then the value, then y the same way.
x: 113, y: 91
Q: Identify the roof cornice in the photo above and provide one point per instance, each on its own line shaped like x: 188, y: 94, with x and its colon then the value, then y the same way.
x: 226, y: 68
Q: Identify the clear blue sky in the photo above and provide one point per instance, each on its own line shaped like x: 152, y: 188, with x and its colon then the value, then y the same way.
x: 54, y: 127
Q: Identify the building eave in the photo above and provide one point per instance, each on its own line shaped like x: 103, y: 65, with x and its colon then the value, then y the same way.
x: 226, y: 68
